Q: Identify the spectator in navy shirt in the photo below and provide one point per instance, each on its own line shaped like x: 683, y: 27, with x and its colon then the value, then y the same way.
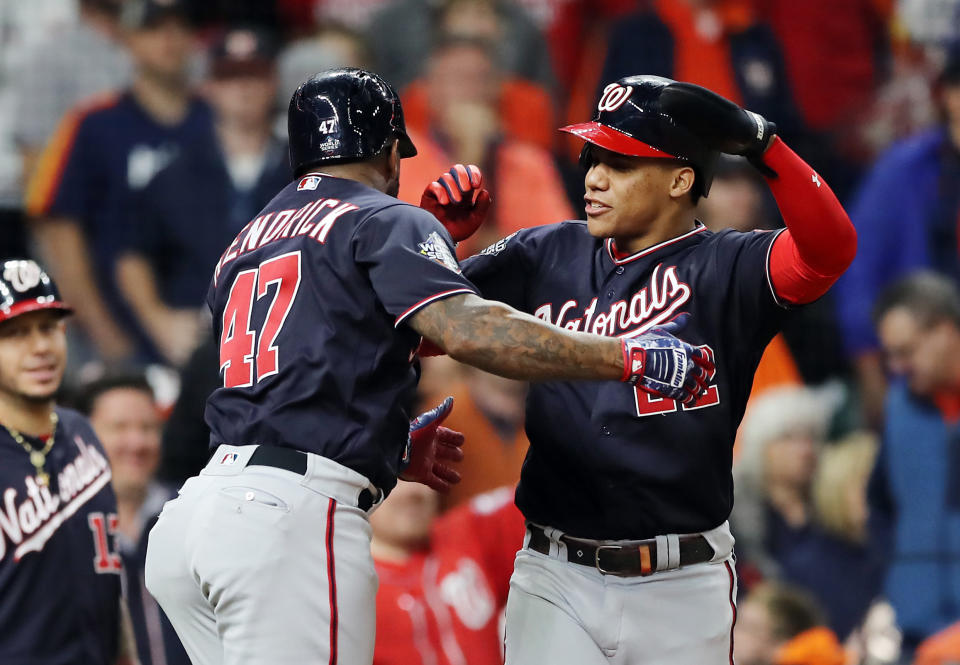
x: 906, y: 215
x: 124, y: 415
x: 101, y: 155
x: 780, y: 533
x: 191, y: 209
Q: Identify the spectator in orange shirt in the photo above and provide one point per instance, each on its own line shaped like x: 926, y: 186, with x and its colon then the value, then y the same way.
x: 463, y: 125
x: 719, y: 44
x: 942, y: 648
x: 780, y: 625
x: 443, y: 581
x: 404, y: 34
x: 490, y: 413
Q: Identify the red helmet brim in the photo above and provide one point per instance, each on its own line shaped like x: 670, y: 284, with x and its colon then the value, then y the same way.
x: 614, y: 140
x: 33, y: 306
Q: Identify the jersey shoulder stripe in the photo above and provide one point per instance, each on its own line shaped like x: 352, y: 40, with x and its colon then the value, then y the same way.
x: 46, y: 178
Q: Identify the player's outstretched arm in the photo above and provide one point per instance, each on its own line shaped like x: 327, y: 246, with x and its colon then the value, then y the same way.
x: 499, y: 339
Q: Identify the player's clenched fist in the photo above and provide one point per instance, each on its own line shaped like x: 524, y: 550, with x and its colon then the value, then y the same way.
x: 431, y: 448
x: 661, y: 364
x: 457, y: 198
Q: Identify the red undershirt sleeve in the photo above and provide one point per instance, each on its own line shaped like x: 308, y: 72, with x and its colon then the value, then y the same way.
x: 820, y: 241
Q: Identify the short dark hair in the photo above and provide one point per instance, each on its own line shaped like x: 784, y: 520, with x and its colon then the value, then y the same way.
x: 928, y: 296
x: 88, y: 393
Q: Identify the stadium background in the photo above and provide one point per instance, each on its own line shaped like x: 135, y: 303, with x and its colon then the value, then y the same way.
x: 128, y: 215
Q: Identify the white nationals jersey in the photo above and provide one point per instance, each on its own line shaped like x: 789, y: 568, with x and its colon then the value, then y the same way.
x: 59, y: 566
x: 606, y: 460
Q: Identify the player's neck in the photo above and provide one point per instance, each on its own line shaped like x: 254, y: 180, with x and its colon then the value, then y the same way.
x: 166, y: 102
x: 239, y: 140
x: 361, y: 172
x: 663, y: 228
x: 25, y: 416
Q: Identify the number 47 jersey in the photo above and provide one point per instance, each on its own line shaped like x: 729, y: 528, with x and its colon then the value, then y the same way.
x: 310, y: 303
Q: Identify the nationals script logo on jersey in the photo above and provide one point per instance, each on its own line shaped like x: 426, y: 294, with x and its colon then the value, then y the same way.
x: 28, y: 522
x: 651, y: 306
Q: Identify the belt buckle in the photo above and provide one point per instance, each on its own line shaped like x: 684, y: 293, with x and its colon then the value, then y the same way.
x: 596, y: 559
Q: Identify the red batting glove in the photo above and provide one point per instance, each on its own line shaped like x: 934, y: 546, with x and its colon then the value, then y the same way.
x: 428, y: 349
x: 431, y: 448
x: 458, y: 200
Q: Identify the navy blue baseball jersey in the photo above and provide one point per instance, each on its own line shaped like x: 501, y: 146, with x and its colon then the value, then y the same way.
x: 59, y: 566
x: 310, y: 303
x: 102, y: 155
x: 608, y: 461
x: 196, y: 185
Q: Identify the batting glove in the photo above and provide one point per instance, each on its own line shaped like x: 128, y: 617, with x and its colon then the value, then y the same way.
x: 430, y: 448
x: 457, y: 198
x: 659, y: 363
x: 720, y: 123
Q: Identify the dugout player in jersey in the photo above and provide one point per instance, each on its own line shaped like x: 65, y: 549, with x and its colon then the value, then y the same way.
x: 319, y: 305
x: 627, y: 557
x: 59, y: 567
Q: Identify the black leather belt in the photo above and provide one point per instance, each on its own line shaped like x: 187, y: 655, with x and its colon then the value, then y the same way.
x: 296, y: 461
x: 623, y: 560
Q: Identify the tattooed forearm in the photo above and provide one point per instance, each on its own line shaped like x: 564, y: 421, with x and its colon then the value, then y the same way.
x: 499, y: 339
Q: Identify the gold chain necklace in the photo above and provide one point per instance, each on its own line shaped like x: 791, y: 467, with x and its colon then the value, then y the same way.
x: 38, y: 457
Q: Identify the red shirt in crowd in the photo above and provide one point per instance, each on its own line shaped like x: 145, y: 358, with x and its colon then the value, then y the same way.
x: 444, y: 606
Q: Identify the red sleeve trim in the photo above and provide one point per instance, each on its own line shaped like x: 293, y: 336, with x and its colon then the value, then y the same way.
x: 773, y: 291
x: 426, y: 301
x: 793, y: 281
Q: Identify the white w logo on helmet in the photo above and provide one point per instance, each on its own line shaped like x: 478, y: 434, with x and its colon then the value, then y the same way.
x: 22, y: 275
x: 613, y: 97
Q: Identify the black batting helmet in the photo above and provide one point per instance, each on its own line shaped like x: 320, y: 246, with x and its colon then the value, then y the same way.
x: 630, y: 121
x: 344, y: 115
x: 25, y: 287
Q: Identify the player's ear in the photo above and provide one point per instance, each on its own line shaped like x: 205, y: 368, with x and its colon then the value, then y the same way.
x: 681, y: 182
x: 393, y: 160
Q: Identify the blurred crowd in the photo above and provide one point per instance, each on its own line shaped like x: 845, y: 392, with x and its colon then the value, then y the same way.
x: 137, y: 137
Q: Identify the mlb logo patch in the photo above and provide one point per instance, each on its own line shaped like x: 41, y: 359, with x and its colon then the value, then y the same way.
x: 229, y: 459
x: 308, y: 182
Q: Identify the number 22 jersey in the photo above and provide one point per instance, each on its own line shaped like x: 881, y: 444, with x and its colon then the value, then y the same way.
x: 608, y: 461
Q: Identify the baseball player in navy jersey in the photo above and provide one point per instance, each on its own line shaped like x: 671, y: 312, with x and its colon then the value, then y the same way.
x: 59, y: 567
x: 319, y: 306
x: 628, y: 554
